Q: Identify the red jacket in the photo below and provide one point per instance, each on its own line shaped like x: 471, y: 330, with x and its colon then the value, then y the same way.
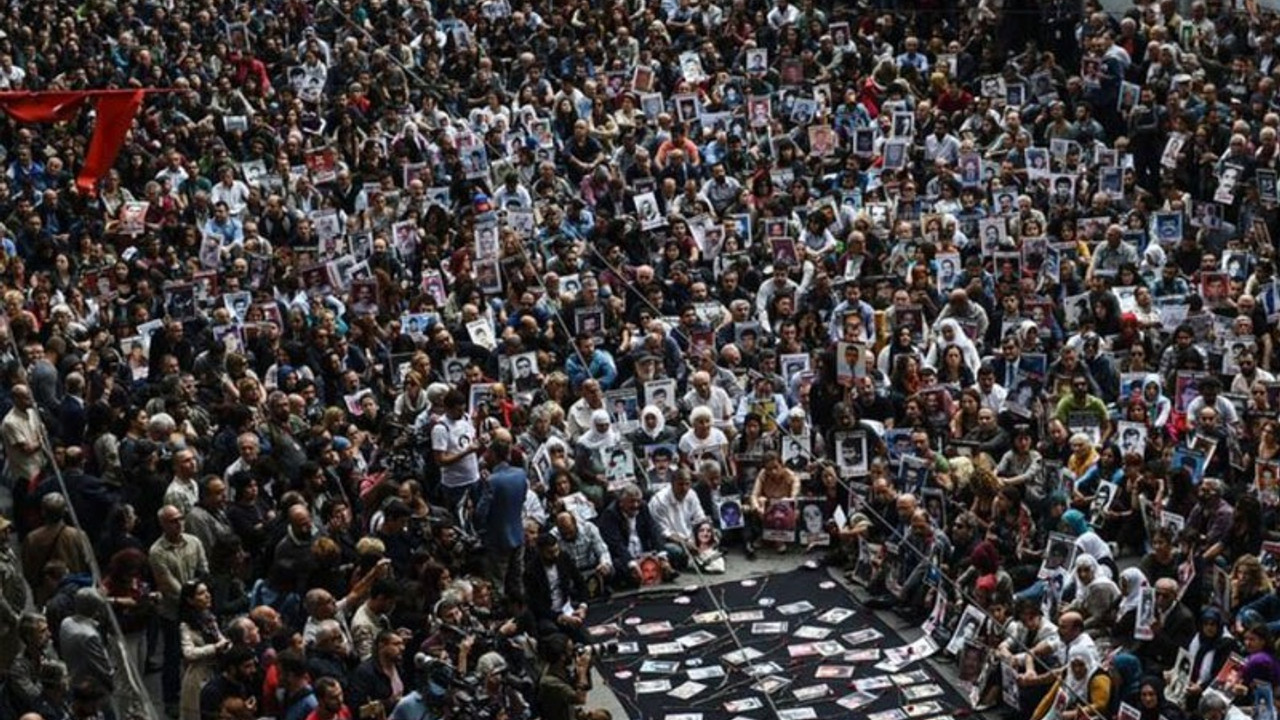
x: 251, y: 68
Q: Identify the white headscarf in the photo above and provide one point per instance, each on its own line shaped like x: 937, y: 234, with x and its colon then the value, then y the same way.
x: 1090, y: 544
x: 1153, y: 258
x: 1078, y: 690
x: 652, y: 410
x: 940, y: 344
x: 595, y: 438
x: 1137, y: 582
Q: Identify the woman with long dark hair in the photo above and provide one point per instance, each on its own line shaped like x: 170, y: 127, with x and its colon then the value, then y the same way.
x: 202, y: 643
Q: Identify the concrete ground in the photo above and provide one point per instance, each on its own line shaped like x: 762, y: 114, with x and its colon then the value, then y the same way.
x: 771, y: 563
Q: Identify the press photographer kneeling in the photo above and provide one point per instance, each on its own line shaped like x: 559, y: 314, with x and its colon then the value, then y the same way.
x: 565, y: 681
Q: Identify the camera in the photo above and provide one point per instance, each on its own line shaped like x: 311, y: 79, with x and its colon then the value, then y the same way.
x: 604, y: 648
x: 448, y: 692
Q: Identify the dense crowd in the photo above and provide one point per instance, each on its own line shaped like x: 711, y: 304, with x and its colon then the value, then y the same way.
x: 403, y: 331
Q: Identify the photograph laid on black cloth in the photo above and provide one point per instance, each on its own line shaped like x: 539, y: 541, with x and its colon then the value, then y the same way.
x: 801, y: 645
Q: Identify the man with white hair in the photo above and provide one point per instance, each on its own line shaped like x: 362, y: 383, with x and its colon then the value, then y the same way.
x: 702, y: 393
x: 250, y: 447
x: 330, y: 654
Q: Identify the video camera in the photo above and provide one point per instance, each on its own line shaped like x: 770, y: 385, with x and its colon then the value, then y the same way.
x: 446, y: 691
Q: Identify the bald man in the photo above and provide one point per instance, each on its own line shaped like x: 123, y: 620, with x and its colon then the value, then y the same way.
x: 23, y: 438
x: 1173, y: 627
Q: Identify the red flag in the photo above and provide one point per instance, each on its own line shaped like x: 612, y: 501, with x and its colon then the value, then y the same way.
x: 42, y: 107
x: 115, y: 109
x: 115, y: 116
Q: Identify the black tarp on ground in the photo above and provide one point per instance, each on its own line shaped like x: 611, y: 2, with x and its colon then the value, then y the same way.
x: 631, y: 615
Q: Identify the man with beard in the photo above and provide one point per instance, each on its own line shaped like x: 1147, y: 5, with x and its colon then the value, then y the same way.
x: 286, y: 449
x: 239, y: 669
x: 551, y: 583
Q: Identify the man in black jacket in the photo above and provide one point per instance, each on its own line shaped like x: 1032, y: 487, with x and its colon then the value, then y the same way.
x: 330, y: 654
x: 1172, y: 629
x: 555, y: 590
x: 374, y: 679
x: 239, y: 668
x: 629, y: 531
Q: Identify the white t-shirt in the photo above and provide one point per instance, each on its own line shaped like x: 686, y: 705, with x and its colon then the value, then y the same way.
x: 452, y: 437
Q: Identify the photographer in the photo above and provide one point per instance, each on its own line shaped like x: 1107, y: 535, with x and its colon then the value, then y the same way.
x: 455, y: 636
x: 565, y: 681
x: 496, y: 698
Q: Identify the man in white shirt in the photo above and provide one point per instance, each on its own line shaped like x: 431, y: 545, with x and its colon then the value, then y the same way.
x: 23, y: 437
x: 183, y: 492
x: 455, y: 444
x: 704, y: 394
x: 676, y: 511
x: 174, y: 172
x: 783, y: 14
x: 231, y: 191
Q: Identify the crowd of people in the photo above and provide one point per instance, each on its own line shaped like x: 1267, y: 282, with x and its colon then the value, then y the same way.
x: 403, y: 331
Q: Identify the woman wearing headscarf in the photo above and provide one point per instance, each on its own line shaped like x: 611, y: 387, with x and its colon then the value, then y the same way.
x: 1126, y: 681
x: 591, y: 455
x: 1088, y: 542
x: 652, y: 429
x: 1082, y: 458
x: 1132, y: 582
x: 900, y: 344
x: 1152, y: 704
x: 1159, y: 407
x: 1209, y: 650
x: 1260, y: 663
x: 1083, y: 691
x: 1096, y: 595
x: 950, y: 333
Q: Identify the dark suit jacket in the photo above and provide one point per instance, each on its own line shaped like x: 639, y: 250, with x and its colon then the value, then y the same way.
x: 613, y: 529
x: 1176, y: 632
x: 369, y: 684
x: 538, y: 591
x: 92, y: 499
x: 72, y: 418
x: 321, y: 664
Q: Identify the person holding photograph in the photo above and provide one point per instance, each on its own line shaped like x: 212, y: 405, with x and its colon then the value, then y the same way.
x: 677, y: 511
x: 1083, y: 691
x: 630, y: 532
x: 773, y: 482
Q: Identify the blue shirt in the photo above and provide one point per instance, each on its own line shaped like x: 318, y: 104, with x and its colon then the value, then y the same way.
x: 504, y: 527
x: 600, y: 366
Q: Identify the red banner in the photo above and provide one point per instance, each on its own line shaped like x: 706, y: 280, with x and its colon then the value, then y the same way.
x: 115, y: 111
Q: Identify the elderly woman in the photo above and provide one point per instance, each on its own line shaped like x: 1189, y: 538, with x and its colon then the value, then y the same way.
x: 703, y: 440
x: 1096, y: 594
x: 591, y: 456
x: 1083, y: 691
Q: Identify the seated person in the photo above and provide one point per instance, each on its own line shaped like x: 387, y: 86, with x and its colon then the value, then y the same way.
x: 630, y: 533
x: 554, y: 589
